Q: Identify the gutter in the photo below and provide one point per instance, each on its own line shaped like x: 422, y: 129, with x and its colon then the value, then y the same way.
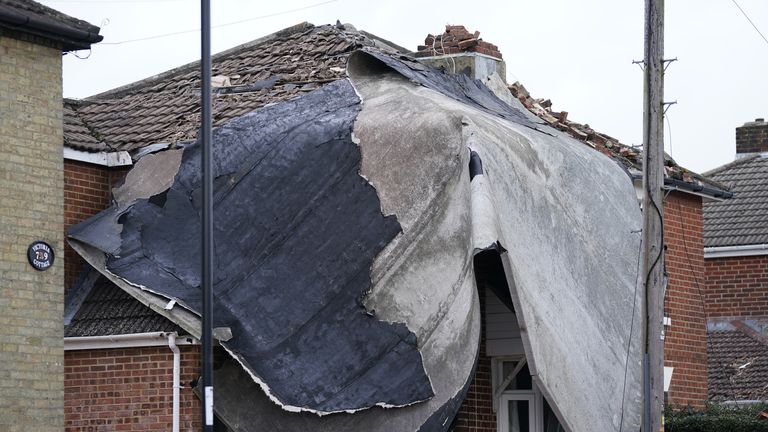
x: 71, y: 37
x: 107, y: 159
x: 123, y: 341
x: 735, y: 251
x: 671, y: 184
x: 696, y: 189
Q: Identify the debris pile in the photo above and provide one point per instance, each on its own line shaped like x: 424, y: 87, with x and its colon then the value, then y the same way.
x: 630, y: 157
x: 456, y: 39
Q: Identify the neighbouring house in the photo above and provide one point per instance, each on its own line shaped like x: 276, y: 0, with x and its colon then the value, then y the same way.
x: 736, y: 259
x: 143, y: 123
x: 33, y: 38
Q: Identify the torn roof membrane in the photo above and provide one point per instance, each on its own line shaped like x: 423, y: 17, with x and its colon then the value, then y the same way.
x: 286, y: 177
x: 335, y: 307
x: 564, y: 218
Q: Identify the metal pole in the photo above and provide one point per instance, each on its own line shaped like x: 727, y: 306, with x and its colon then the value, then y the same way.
x: 207, y: 190
x: 653, y: 181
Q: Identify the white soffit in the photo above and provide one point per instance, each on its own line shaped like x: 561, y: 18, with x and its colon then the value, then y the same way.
x: 110, y: 159
x: 735, y: 251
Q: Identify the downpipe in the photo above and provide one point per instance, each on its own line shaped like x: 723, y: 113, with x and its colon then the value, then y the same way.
x: 176, y: 378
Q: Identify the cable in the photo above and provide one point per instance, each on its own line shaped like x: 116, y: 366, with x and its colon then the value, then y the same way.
x: 74, y: 53
x: 220, y: 25
x: 696, y: 283
x: 645, y: 285
x: 750, y: 21
x: 629, y: 342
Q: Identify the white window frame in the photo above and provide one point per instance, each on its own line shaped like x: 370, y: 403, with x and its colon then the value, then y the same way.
x: 516, y: 395
x: 500, y: 404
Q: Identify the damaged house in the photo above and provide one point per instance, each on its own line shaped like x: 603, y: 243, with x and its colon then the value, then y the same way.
x: 398, y: 247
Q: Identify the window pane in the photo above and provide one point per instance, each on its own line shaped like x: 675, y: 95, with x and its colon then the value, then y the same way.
x: 550, y: 420
x: 518, y: 416
x: 523, y: 379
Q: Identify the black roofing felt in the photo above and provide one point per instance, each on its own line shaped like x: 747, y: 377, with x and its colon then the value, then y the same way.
x: 742, y: 220
x: 296, y: 231
x: 456, y: 86
x: 441, y: 420
x: 108, y: 310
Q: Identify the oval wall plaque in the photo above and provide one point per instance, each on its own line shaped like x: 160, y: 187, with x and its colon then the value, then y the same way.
x: 40, y: 255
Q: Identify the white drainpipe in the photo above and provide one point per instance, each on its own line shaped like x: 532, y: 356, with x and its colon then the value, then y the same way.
x: 139, y: 340
x: 176, y: 374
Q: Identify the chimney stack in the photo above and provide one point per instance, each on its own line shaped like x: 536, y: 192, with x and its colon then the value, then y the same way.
x: 752, y: 138
x: 459, y: 51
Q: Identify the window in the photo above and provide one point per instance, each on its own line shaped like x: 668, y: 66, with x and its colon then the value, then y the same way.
x: 519, y: 405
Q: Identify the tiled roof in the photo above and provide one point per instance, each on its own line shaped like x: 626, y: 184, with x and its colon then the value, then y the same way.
x: 108, y: 310
x: 166, y: 108
x: 627, y: 156
x: 742, y: 220
x: 32, y: 17
x: 737, y: 366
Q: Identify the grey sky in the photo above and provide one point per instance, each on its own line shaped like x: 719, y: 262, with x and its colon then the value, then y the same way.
x: 577, y: 53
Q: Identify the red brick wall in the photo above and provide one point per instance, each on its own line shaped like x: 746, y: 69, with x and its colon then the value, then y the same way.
x: 476, y: 412
x: 737, y: 286
x: 86, y: 192
x: 685, y: 345
x: 128, y: 389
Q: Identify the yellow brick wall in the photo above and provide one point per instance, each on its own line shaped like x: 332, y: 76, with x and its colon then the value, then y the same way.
x: 31, y: 208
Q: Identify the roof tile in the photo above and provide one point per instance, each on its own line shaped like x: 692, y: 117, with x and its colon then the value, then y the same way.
x: 742, y: 220
x: 108, y: 310
x: 737, y: 366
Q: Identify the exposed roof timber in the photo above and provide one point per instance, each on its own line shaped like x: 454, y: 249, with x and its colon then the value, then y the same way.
x: 107, y: 159
x: 735, y: 251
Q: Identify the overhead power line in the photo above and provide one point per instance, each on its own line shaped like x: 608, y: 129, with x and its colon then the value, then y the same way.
x: 750, y: 21
x: 197, y: 30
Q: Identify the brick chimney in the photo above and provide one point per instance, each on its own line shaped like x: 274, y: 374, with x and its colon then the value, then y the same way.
x: 752, y: 138
x: 459, y: 51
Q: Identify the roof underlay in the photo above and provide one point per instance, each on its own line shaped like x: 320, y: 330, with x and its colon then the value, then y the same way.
x: 347, y: 221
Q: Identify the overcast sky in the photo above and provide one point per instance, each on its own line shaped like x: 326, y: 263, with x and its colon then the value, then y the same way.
x: 576, y: 53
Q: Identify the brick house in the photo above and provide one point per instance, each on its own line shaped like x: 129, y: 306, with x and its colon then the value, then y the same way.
x: 32, y: 40
x: 736, y: 260
x: 107, y: 132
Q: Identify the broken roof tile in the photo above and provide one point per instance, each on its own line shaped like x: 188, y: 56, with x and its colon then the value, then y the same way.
x: 737, y: 365
x: 137, y: 115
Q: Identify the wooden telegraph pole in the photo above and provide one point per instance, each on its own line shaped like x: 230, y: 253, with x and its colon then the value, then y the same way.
x: 653, y: 249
